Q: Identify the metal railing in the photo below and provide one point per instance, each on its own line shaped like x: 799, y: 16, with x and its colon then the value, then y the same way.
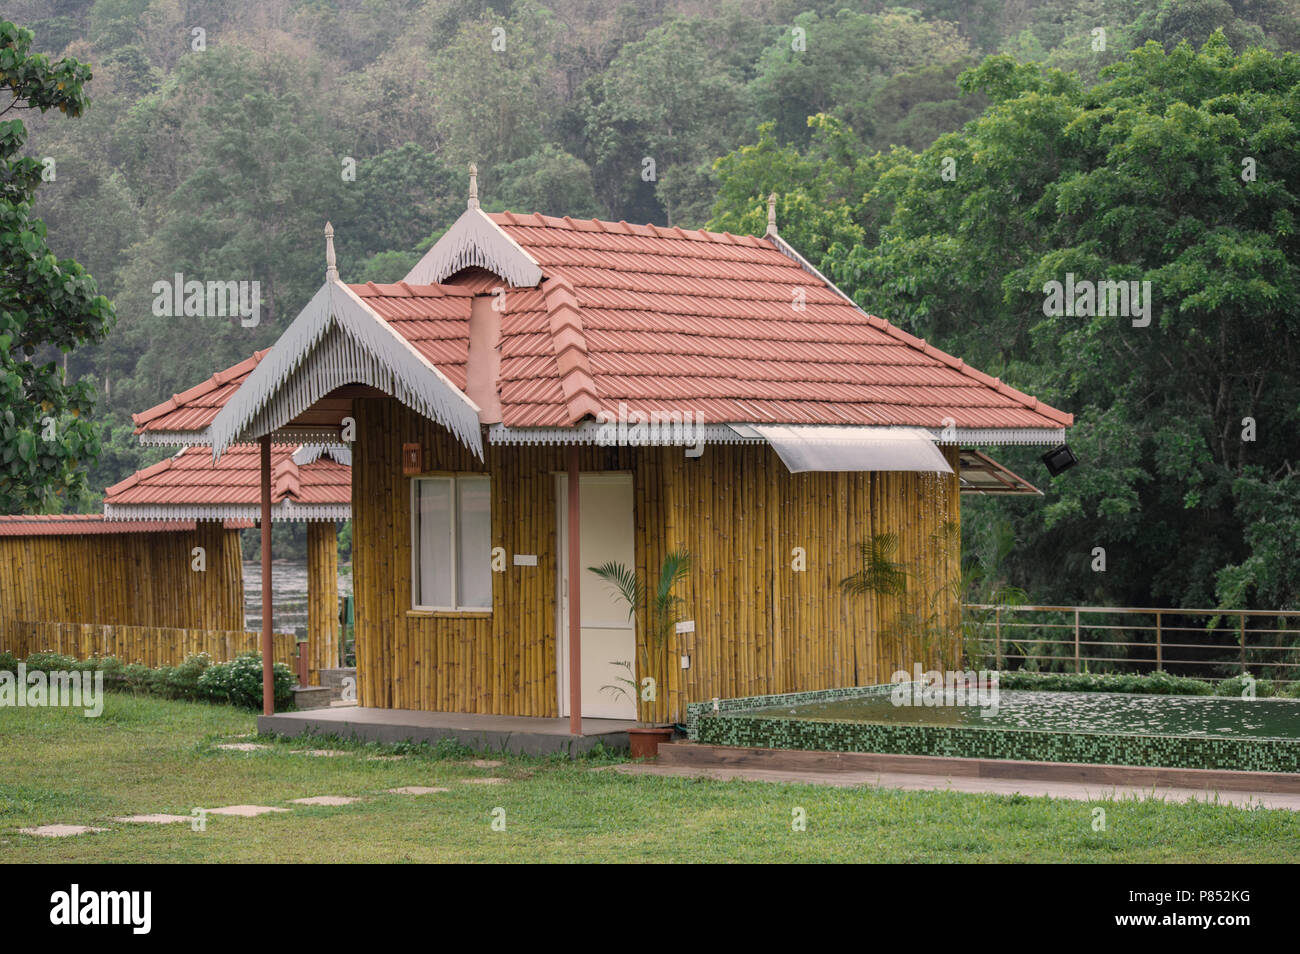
x: 1202, y: 643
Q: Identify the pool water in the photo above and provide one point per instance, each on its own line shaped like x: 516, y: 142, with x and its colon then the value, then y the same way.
x: 1111, y: 713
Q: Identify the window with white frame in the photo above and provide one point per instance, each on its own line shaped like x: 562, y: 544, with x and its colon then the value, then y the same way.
x: 451, y: 543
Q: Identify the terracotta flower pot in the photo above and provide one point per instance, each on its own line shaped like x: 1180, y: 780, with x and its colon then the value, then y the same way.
x: 645, y: 741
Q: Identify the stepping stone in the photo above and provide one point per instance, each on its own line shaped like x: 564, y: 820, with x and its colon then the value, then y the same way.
x: 242, y: 746
x: 59, y: 831
x: 323, y: 752
x: 415, y: 790
x: 491, y: 780
x: 486, y: 763
x: 325, y: 800
x: 245, y: 811
x: 386, y: 758
x: 153, y: 819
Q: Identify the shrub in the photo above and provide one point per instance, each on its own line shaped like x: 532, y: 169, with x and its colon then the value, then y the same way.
x: 182, y: 682
x: 1157, y: 683
x: 240, y: 682
x: 109, y: 665
x: 50, y: 662
x: 1237, y: 685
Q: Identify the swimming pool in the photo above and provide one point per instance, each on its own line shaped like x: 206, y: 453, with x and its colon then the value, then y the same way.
x: 1110, y: 728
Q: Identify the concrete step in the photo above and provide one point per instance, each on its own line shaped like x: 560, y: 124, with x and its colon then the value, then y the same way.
x: 313, y: 697
x: 335, y: 677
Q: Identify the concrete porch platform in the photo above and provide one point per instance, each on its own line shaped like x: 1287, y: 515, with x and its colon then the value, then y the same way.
x: 494, y: 733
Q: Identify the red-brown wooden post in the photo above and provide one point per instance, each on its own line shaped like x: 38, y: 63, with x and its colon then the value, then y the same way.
x: 575, y: 599
x: 268, y: 650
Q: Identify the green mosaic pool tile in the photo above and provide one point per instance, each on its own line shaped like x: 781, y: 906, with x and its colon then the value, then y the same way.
x: 696, y: 710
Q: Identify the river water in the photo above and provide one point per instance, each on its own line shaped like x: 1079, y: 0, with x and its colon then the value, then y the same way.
x: 288, y: 592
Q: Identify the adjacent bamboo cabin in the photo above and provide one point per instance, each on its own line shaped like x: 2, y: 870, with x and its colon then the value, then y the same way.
x: 308, y: 483
x: 543, y: 395
x: 83, y: 569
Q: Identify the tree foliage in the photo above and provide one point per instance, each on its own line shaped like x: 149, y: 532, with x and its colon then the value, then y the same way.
x: 47, y: 305
x: 223, y: 161
x: 1181, y: 169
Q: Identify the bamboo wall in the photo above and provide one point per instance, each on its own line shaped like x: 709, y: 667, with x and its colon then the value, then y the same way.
x: 761, y: 626
x: 141, y: 579
x: 151, y: 645
x: 322, y: 599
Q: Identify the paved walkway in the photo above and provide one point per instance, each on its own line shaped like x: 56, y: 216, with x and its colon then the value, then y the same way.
x: 999, y: 786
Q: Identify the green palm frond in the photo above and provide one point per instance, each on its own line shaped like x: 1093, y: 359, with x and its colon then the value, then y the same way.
x: 623, y: 579
x: 662, y: 613
x: 881, y: 574
x: 676, y: 567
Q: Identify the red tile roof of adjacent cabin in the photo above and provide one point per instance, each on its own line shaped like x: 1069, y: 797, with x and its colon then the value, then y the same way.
x: 194, y: 409
x: 78, y: 524
x: 706, y: 322
x: 190, y: 478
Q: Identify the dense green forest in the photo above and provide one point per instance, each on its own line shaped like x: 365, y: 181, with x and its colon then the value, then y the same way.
x: 941, y: 161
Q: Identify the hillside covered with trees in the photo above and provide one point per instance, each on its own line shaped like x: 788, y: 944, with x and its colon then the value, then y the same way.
x: 941, y: 161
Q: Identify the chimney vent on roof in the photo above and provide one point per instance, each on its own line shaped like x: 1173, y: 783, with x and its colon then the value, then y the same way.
x: 771, y: 216
x: 473, y: 186
x: 331, y: 266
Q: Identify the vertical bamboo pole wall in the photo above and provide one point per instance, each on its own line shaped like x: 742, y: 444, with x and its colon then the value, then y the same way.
x: 762, y: 624
x: 143, y: 579
x: 322, y: 598
x: 151, y: 646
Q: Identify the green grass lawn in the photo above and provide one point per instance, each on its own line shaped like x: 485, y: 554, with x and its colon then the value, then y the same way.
x: 146, y: 755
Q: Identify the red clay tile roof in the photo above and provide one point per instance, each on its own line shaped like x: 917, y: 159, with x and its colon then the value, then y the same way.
x: 193, y: 410
x: 670, y: 320
x: 78, y: 524
x: 434, y: 318
x: 190, y: 478
x: 704, y: 321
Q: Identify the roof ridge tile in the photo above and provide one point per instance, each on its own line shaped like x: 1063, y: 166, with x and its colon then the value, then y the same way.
x: 570, y: 343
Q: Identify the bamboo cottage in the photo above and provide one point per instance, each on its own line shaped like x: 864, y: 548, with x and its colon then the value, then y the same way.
x: 542, y: 395
x: 308, y: 484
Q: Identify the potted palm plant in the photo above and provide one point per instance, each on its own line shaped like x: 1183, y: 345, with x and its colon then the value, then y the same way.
x: 662, y: 608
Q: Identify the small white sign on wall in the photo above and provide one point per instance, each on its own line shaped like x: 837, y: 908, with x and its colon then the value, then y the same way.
x: 525, y: 559
x: 686, y: 626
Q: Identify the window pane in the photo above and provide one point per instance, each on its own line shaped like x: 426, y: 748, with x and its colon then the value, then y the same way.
x: 474, y: 530
x: 433, y: 499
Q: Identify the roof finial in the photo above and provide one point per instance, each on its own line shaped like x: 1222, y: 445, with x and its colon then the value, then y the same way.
x: 771, y: 215
x: 473, y: 185
x: 331, y: 266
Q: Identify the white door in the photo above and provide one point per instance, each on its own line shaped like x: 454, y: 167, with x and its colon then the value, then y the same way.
x: 608, y: 636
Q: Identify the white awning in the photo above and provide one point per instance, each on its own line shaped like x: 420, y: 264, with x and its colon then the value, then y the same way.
x: 833, y: 448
